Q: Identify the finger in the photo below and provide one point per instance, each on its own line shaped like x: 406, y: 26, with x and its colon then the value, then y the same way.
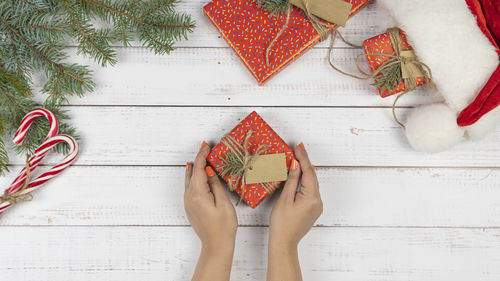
x: 309, y: 178
x: 303, y: 158
x: 292, y: 183
x: 201, y: 159
x: 189, y: 173
x: 216, y: 187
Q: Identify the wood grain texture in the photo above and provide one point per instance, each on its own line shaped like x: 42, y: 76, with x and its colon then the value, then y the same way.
x: 205, y: 71
x: 159, y: 253
x: 368, y: 22
x: 428, y: 197
x: 217, y: 77
x: 334, y: 136
x: 390, y: 214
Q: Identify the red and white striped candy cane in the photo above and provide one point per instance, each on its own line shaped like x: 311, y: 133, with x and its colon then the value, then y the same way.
x: 28, y: 120
x: 21, y: 134
x: 54, y: 171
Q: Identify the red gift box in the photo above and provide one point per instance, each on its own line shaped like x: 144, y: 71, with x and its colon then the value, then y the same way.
x: 249, y: 30
x: 382, y: 44
x: 262, y: 134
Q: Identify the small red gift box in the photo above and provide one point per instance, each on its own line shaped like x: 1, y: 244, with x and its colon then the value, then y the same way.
x: 262, y: 134
x: 382, y: 44
x: 249, y: 30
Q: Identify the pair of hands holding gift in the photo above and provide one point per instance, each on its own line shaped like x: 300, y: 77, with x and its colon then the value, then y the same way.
x: 214, y: 220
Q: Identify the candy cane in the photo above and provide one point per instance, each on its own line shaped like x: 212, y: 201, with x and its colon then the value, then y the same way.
x: 21, y: 134
x: 54, y: 171
x: 28, y: 120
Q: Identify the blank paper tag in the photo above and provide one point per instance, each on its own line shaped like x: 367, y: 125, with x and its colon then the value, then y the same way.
x: 334, y: 11
x: 267, y: 168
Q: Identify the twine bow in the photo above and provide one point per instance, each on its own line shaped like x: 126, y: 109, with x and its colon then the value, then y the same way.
x: 20, y: 194
x: 322, y: 28
x: 411, y: 67
x: 238, y: 160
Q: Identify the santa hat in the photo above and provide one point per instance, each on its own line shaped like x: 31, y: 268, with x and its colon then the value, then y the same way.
x: 462, y: 54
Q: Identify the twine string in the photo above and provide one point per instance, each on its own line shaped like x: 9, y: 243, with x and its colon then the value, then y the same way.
x: 20, y: 194
x: 245, y: 160
x: 322, y: 28
x: 409, y: 82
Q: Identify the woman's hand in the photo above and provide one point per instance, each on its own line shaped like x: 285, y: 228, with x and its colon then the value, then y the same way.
x: 213, y: 218
x: 294, y: 213
x: 292, y: 217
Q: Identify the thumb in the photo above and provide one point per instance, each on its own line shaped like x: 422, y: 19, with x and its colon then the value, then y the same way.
x: 216, y: 186
x: 291, y: 185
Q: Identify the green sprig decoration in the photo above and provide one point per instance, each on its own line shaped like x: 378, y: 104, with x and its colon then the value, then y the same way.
x: 33, y: 37
x: 232, y: 166
x: 275, y: 7
x: 389, y: 78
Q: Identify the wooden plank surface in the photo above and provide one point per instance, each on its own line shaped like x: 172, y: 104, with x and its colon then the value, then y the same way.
x: 390, y: 213
x: 407, y: 197
x: 335, y: 136
x: 169, y: 253
x: 216, y: 76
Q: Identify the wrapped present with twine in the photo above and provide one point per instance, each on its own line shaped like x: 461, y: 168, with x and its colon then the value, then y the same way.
x: 252, y: 159
x: 396, y: 77
x: 266, y: 42
x: 393, y: 63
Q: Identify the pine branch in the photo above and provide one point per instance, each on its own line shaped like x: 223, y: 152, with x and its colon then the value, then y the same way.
x: 389, y: 78
x: 274, y: 6
x: 33, y: 34
x: 156, y: 22
x: 18, y: 84
x: 232, y: 166
x: 96, y: 43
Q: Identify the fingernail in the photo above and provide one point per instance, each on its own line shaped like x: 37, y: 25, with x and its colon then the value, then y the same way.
x: 210, y: 172
x: 294, y: 165
x: 203, y: 143
x: 187, y: 165
x: 301, y: 146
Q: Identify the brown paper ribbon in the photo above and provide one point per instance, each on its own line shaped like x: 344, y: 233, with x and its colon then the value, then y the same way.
x: 245, y: 159
x: 336, y: 11
x: 19, y: 195
x: 411, y: 67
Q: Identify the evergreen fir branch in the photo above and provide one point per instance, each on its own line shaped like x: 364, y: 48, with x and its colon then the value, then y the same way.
x: 48, y: 57
x: 274, y: 6
x: 92, y: 42
x: 33, y: 34
x: 18, y: 84
x: 156, y: 22
x: 232, y: 166
x: 389, y: 78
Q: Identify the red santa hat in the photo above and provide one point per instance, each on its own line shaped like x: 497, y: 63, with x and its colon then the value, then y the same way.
x: 461, y: 51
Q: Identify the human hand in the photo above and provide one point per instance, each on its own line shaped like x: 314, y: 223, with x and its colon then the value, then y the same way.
x: 294, y: 213
x: 207, y: 205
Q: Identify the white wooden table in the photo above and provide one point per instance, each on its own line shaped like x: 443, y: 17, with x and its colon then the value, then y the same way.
x: 390, y: 213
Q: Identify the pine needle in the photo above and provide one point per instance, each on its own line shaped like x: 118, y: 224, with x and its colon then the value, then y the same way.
x: 389, y: 78
x: 33, y: 34
x: 274, y: 6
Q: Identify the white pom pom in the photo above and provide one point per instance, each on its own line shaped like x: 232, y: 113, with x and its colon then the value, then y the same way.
x: 433, y: 128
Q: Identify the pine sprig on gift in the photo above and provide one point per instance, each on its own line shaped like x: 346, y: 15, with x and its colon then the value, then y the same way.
x: 389, y: 78
x: 232, y: 166
x: 33, y: 36
x: 273, y: 6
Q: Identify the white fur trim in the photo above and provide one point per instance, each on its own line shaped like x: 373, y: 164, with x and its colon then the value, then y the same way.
x: 445, y: 36
x: 433, y: 128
